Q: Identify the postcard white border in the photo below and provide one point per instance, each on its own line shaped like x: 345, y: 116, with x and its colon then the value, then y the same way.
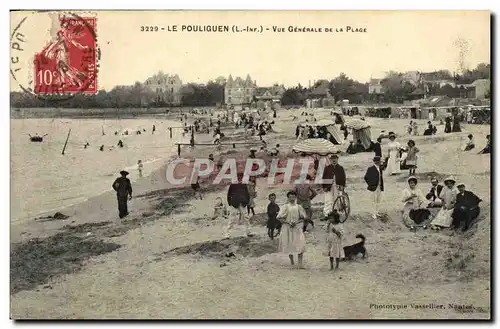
x: 189, y: 4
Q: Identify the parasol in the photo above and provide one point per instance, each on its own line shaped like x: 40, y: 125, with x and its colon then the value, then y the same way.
x: 356, y: 124
x: 324, y: 122
x: 318, y: 146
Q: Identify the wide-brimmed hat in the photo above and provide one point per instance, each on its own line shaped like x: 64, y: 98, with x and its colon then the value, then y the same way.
x: 392, y: 134
x: 461, y: 184
x: 450, y: 179
x: 253, y: 149
x: 412, y: 178
x: 124, y: 173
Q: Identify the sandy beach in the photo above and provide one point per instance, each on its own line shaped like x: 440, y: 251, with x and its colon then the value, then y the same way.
x: 167, y: 259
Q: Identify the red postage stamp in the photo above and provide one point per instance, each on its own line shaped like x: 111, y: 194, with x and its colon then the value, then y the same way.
x: 68, y: 63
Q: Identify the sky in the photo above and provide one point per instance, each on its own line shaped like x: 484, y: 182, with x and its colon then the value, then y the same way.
x: 397, y: 40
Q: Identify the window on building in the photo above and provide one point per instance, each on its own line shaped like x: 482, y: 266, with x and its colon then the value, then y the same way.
x: 229, y: 91
x: 171, y: 90
x: 229, y: 99
x: 161, y: 90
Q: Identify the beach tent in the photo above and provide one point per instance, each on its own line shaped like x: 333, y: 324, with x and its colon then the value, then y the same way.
x: 331, y: 128
x: 317, y: 146
x: 481, y: 114
x: 360, y: 130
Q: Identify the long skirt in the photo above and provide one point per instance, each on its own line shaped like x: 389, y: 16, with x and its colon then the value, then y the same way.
x: 413, y: 217
x: 335, y: 245
x: 443, y: 218
x: 393, y: 165
x: 292, y: 239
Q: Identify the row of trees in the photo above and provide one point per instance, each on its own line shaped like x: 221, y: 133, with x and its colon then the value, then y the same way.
x: 126, y: 97
x: 395, y: 85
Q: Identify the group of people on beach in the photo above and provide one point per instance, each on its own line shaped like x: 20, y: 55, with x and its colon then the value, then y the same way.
x: 444, y: 206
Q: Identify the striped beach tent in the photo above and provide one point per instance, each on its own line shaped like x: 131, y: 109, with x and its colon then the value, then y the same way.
x: 360, y: 131
x: 356, y: 124
x: 318, y: 146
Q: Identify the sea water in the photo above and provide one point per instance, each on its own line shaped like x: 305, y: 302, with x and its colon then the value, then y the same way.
x: 43, y: 180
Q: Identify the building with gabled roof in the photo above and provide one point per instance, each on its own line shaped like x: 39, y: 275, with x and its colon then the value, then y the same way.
x: 238, y: 91
x: 166, y: 88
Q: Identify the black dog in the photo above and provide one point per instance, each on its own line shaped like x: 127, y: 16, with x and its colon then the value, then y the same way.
x: 357, y: 248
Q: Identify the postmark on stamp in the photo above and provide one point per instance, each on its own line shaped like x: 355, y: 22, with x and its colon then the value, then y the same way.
x: 65, y: 63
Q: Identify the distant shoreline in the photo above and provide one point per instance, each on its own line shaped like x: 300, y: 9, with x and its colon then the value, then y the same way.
x: 121, y: 113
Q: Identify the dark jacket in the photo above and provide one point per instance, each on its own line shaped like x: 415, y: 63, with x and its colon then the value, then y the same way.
x: 372, y: 178
x: 336, y: 170
x: 430, y: 196
x: 272, y: 210
x: 122, y: 186
x: 237, y: 195
x: 468, y: 200
x: 377, y: 149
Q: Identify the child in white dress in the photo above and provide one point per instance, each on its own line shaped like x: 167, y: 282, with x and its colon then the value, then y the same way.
x: 334, y: 239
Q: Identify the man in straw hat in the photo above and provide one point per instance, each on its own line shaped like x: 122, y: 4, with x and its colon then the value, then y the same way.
x: 375, y: 181
x: 466, y: 208
x: 123, y: 188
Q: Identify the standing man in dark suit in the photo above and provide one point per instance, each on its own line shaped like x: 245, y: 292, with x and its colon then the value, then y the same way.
x: 377, y: 149
x: 123, y: 188
x: 336, y: 172
x: 375, y: 181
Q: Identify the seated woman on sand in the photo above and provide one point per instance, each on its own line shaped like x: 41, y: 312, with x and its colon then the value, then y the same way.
x: 449, y: 196
x: 414, y: 211
x: 487, y: 148
x: 470, y: 143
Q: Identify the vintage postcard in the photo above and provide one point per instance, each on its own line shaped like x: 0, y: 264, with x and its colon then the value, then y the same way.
x: 250, y: 165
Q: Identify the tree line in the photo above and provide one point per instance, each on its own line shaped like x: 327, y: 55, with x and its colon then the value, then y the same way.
x: 395, y: 89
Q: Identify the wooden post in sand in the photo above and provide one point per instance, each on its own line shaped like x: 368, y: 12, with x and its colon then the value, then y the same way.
x: 66, y: 143
x: 178, y: 149
x: 170, y: 129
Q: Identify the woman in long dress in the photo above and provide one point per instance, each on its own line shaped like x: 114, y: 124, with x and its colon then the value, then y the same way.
x: 393, y: 162
x: 414, y: 211
x: 449, y: 196
x: 292, y: 240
